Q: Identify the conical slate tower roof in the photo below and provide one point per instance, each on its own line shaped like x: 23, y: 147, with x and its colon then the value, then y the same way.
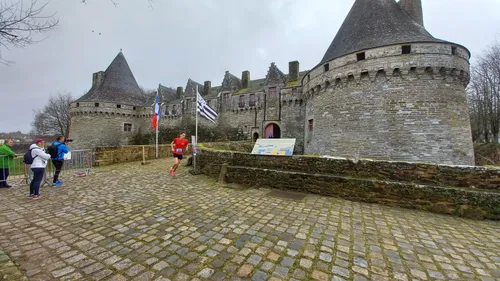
x: 119, y: 85
x: 375, y: 23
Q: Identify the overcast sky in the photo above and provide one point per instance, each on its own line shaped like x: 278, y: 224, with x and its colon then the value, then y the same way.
x: 198, y: 39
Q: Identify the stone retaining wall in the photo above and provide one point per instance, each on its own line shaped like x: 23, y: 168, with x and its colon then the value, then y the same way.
x: 122, y: 154
x: 459, y: 190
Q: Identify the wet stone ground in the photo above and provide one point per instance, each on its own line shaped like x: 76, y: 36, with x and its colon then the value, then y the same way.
x: 133, y: 222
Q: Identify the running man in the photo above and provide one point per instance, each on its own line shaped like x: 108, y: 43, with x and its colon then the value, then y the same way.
x: 179, y: 145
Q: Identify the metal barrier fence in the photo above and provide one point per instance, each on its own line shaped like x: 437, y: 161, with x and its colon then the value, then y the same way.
x: 80, y: 164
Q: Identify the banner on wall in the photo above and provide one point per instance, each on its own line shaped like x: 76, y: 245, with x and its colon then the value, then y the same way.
x: 276, y: 147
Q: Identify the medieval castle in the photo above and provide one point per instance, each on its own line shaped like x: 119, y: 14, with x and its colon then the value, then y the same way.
x: 385, y: 89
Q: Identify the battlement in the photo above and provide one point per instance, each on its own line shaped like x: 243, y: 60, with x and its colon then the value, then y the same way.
x: 448, y: 62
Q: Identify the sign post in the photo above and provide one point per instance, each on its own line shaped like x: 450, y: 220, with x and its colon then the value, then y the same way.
x: 193, y: 141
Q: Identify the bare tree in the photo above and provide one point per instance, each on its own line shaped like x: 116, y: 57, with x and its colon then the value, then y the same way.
x: 18, y: 23
x: 54, y: 118
x: 484, y: 96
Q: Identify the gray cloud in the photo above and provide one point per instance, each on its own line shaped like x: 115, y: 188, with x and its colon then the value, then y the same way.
x: 198, y: 39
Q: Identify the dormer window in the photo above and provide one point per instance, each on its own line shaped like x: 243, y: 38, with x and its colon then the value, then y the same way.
x: 406, y: 49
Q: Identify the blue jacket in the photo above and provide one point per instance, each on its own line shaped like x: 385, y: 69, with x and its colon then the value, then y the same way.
x: 61, y: 150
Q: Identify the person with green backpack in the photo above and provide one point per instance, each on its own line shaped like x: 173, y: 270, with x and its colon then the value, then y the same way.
x: 6, y: 162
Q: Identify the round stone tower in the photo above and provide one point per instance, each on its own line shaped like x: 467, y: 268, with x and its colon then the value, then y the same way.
x: 112, y: 111
x: 387, y: 89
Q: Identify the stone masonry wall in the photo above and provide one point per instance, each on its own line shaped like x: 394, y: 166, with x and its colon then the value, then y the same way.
x: 459, y: 190
x: 92, y: 130
x: 392, y: 107
x: 122, y: 154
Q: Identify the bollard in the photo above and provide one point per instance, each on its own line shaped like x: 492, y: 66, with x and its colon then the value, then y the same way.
x: 143, y: 156
x: 223, y: 173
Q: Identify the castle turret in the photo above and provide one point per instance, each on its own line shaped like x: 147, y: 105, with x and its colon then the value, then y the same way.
x: 108, y: 114
x: 387, y: 89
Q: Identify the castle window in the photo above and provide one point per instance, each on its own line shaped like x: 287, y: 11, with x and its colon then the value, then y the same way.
x: 242, y: 101
x: 361, y: 56
x: 127, y: 127
x: 77, y: 104
x: 454, y: 50
x: 134, y: 108
x: 252, y: 100
x: 308, y: 77
x: 226, y: 98
x: 311, y: 125
x: 294, y: 91
x: 406, y: 49
x: 174, y: 109
x: 118, y: 106
x: 96, y: 104
x: 326, y: 67
x: 188, y: 104
x: 272, y: 92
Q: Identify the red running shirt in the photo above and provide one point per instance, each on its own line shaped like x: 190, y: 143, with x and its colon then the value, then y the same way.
x: 180, y: 145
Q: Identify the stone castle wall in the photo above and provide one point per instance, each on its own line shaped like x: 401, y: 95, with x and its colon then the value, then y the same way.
x: 391, y: 106
x: 103, y: 125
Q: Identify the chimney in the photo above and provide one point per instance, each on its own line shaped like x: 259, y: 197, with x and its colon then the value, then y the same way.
x: 98, y: 77
x: 245, y: 79
x: 293, y: 71
x: 180, y: 90
x: 207, y: 86
x: 414, y: 9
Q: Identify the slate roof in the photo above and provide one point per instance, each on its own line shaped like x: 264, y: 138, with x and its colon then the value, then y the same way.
x: 375, y: 23
x: 119, y: 85
x: 166, y: 93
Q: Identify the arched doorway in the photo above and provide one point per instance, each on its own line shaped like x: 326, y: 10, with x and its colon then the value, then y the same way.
x: 273, y: 131
x: 255, y: 136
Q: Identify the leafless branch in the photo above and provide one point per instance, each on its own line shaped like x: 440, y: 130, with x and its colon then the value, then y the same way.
x: 18, y: 23
x: 54, y: 118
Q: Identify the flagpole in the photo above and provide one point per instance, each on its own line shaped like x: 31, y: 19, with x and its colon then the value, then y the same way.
x: 157, y: 123
x: 196, y: 131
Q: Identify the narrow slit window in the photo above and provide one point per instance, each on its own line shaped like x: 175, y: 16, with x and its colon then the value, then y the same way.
x: 454, y: 50
x: 311, y: 125
x: 326, y: 67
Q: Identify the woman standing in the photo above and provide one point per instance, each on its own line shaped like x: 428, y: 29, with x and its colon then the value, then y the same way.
x: 6, y: 162
x: 40, y: 160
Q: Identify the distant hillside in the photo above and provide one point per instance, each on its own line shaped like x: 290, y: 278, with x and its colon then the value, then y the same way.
x: 487, y: 154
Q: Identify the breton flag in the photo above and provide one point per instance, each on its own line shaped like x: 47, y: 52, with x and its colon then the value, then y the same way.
x: 205, y: 110
x: 156, y: 115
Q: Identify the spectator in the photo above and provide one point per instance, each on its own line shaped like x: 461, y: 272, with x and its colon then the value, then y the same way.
x: 6, y: 162
x: 59, y: 147
x: 40, y: 159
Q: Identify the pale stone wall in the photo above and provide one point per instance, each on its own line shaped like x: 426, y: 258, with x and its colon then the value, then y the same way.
x: 392, y: 106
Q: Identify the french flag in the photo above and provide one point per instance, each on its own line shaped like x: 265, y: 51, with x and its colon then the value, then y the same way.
x: 156, y: 115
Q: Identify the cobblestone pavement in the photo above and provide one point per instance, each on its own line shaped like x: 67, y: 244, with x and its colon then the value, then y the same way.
x: 133, y: 222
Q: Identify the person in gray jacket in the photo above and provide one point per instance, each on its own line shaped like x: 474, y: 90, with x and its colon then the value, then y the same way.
x: 40, y: 160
